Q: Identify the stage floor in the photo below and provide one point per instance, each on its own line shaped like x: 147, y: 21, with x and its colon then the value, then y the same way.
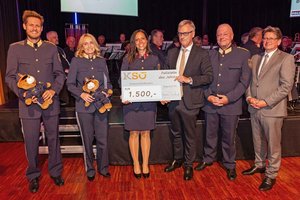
x: 161, y: 138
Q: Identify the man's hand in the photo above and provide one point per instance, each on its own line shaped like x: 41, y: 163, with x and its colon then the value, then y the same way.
x: 183, y: 79
x: 261, y: 104
x: 256, y: 103
x: 223, y: 99
x: 214, y: 100
x: 48, y: 94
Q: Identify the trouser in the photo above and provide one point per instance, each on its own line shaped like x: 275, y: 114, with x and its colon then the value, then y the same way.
x: 227, y: 125
x: 31, y: 133
x: 266, y: 132
x: 94, y: 125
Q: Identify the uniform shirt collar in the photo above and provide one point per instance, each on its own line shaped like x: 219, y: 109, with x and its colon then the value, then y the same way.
x: 226, y: 51
x: 34, y: 45
x: 87, y: 56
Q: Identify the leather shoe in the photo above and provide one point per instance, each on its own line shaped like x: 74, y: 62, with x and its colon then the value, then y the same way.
x: 174, y: 165
x: 34, y: 185
x: 254, y: 170
x: 91, y: 178
x: 58, y: 180
x: 267, y: 184
x: 188, y: 173
x: 231, y: 174
x: 202, y: 165
x: 106, y: 175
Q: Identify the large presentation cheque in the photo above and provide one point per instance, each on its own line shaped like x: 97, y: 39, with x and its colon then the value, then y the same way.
x: 150, y: 85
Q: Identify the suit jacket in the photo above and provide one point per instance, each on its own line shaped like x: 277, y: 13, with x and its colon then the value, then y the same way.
x: 251, y: 46
x: 199, y: 68
x: 273, y: 84
x: 232, y: 76
x: 44, y: 64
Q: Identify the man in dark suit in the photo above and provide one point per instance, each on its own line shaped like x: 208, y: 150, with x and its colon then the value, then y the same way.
x: 39, y: 59
x: 157, y: 39
x: 52, y: 37
x: 195, y: 72
x: 223, y: 97
x: 254, y: 42
x: 272, y: 79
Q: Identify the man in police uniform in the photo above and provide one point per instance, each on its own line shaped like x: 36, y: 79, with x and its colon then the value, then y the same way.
x: 39, y: 59
x: 223, y: 99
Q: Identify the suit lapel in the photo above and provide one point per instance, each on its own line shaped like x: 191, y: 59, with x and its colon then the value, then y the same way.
x: 258, y: 64
x: 190, y: 60
x: 174, y: 58
x: 270, y: 63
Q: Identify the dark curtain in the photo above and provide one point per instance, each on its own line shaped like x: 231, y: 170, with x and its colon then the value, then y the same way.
x: 162, y: 14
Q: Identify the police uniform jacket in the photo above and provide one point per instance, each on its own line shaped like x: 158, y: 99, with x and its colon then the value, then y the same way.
x: 82, y: 68
x: 149, y: 62
x: 40, y: 60
x: 232, y: 76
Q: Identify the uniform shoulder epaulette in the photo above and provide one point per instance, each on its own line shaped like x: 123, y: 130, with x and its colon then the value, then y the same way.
x: 49, y: 42
x: 242, y: 48
x: 18, y: 43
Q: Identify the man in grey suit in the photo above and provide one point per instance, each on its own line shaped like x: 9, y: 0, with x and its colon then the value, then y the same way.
x: 39, y: 59
x: 272, y: 79
x: 195, y: 72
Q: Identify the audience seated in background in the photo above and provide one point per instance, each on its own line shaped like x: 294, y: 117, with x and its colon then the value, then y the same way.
x: 101, y: 40
x: 254, y: 42
x: 284, y: 46
x: 175, y: 43
x: 122, y: 38
x: 205, y: 40
x: 244, y: 39
x: 197, y: 40
x: 52, y: 37
x: 157, y: 39
x: 70, y: 48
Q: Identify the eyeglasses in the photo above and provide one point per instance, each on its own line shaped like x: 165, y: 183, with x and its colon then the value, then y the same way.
x: 183, y: 33
x: 269, y: 39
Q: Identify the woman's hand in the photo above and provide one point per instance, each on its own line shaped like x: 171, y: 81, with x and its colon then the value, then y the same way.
x: 87, y: 97
x: 125, y: 102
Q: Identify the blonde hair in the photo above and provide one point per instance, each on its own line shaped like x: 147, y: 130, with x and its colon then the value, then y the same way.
x: 79, y: 53
x: 31, y: 13
x: 185, y: 22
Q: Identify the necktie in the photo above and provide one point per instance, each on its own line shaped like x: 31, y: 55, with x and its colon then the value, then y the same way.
x: 182, y: 62
x: 264, y: 63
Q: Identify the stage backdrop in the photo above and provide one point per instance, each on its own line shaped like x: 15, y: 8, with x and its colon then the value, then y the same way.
x: 206, y: 14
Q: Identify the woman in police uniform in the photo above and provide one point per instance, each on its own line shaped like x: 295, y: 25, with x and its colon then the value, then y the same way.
x: 87, y: 63
x: 139, y: 118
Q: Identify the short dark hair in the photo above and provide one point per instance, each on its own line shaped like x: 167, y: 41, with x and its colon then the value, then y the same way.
x: 254, y: 31
x: 154, y: 31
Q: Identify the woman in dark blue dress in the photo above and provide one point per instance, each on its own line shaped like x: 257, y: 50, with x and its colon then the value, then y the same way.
x: 87, y: 63
x: 139, y: 118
